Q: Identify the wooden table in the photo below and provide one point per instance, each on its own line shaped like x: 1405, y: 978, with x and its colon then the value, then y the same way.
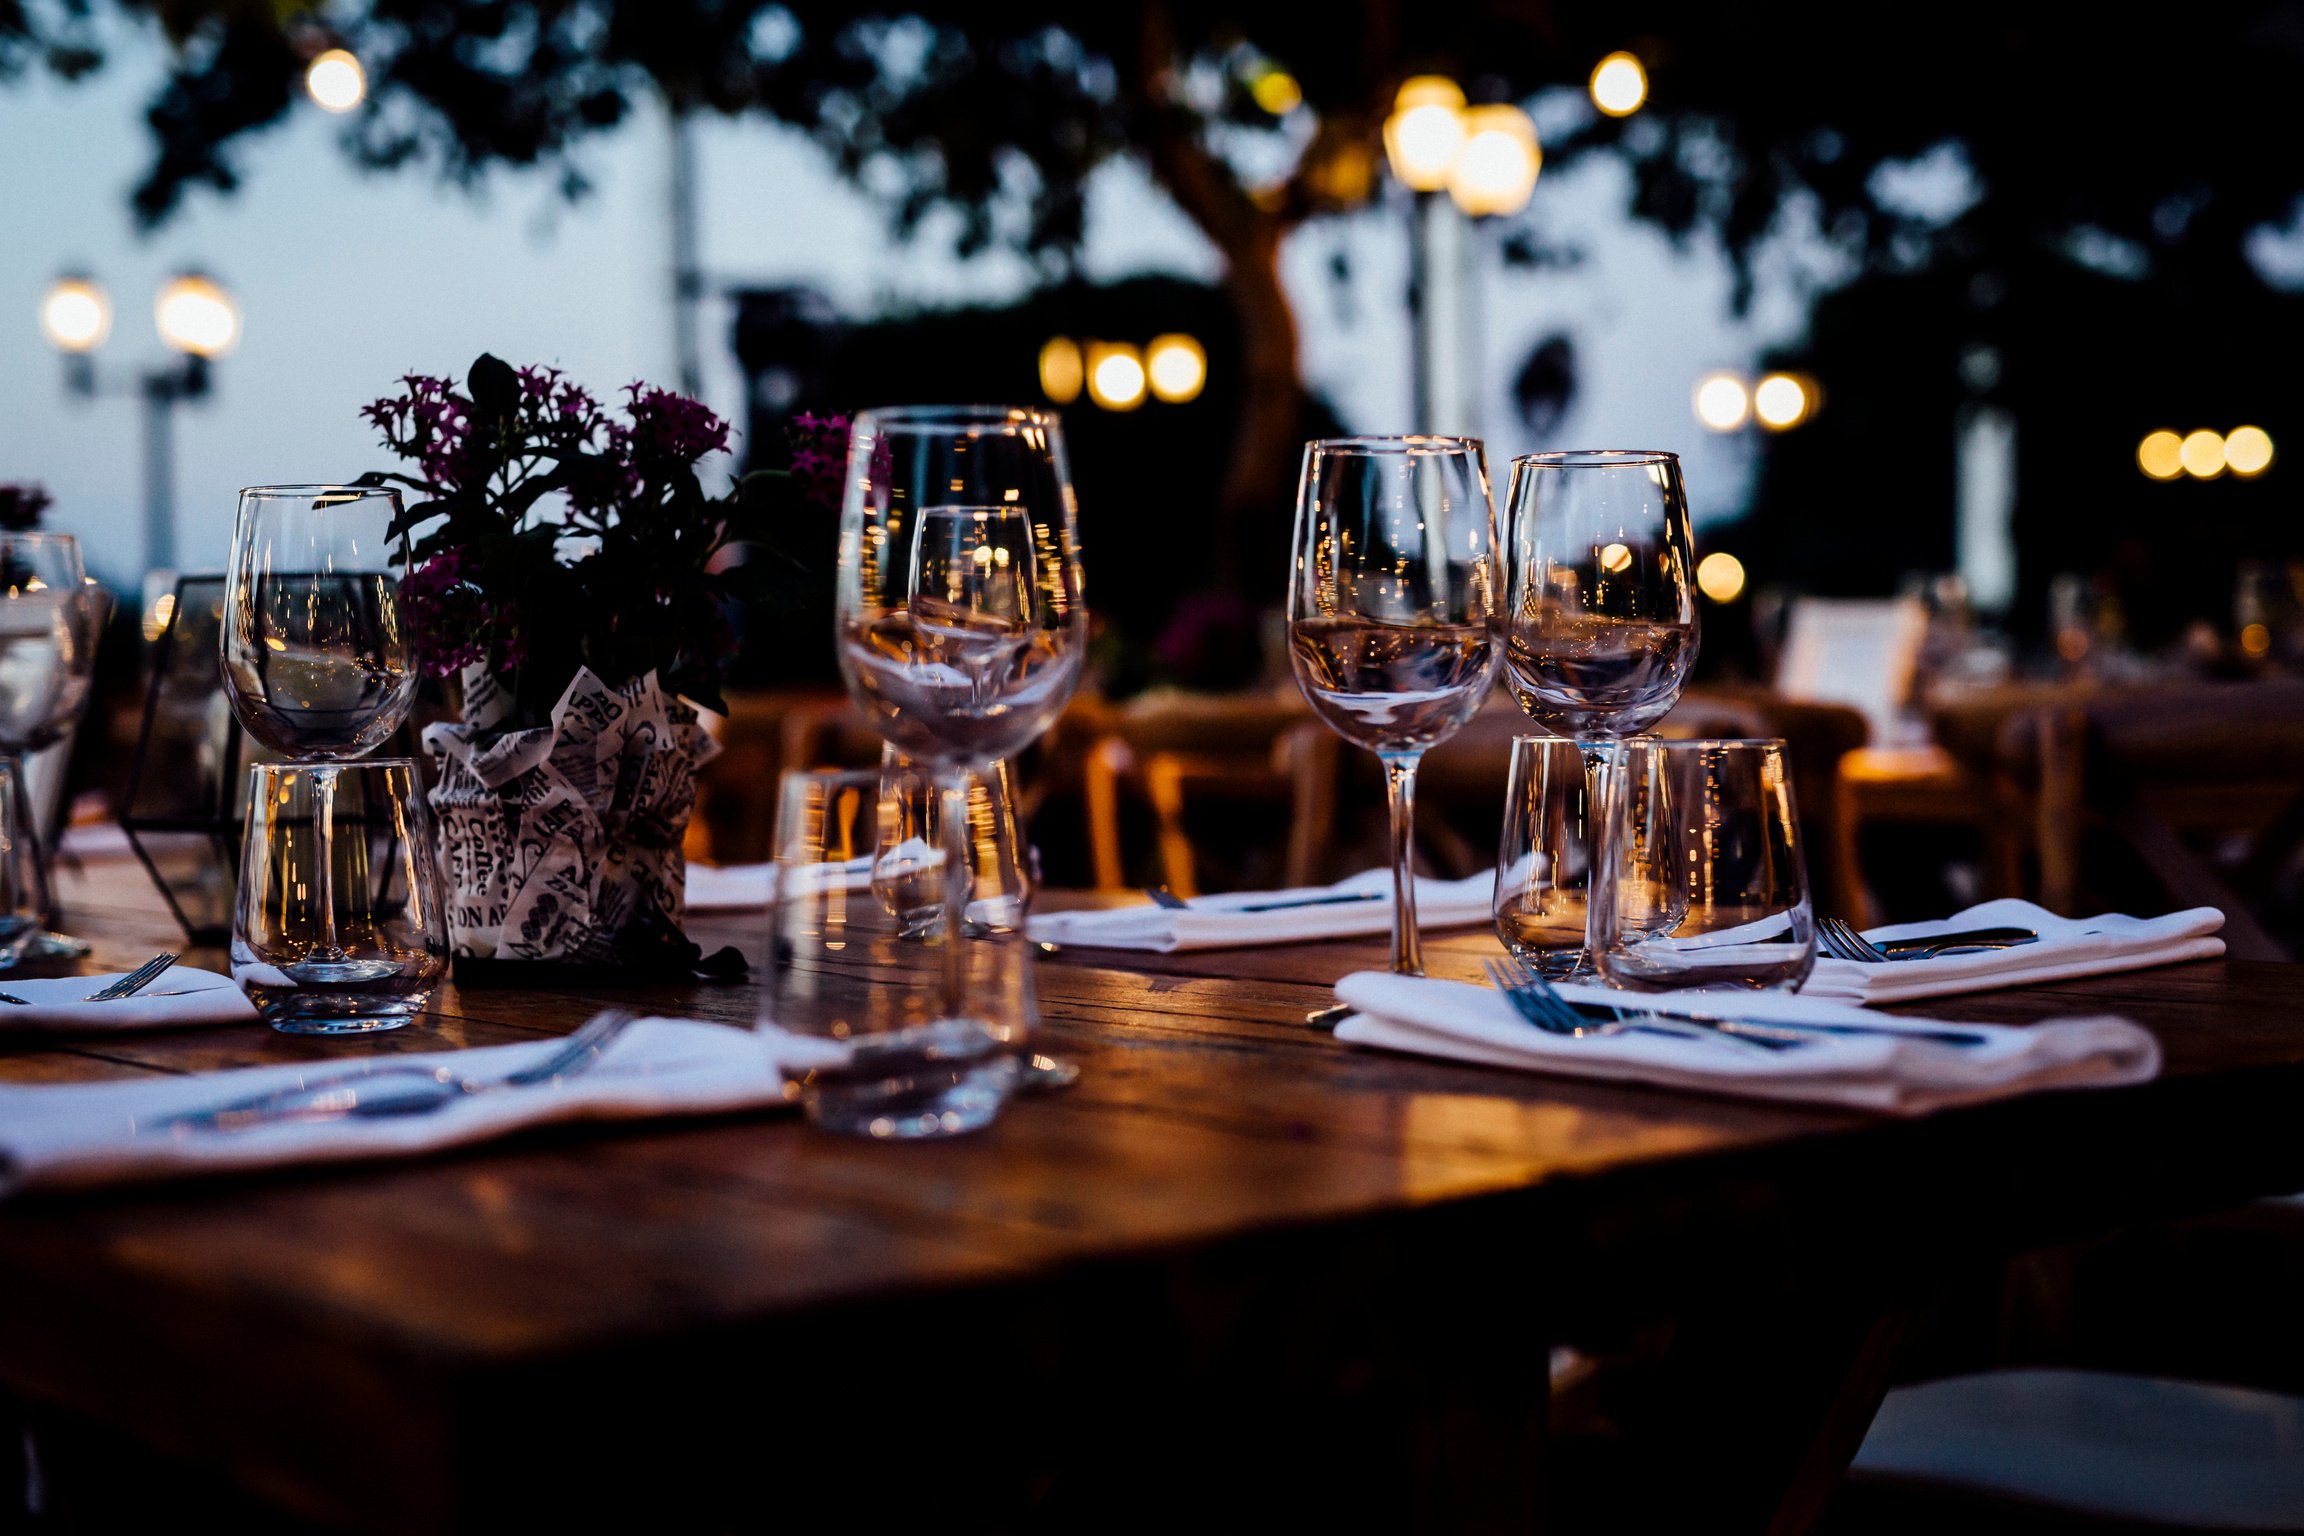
x: 1239, y: 1272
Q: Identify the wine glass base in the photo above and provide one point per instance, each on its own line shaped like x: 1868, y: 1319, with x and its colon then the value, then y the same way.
x: 319, y: 972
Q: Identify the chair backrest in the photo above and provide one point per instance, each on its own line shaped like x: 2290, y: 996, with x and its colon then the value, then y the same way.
x: 1861, y: 652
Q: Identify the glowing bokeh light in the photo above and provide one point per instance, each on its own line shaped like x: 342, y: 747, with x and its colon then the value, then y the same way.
x: 2202, y: 454
x: 76, y: 316
x: 1061, y: 370
x: 1720, y: 576
x: 1780, y: 401
x: 194, y: 315
x: 336, y: 81
x: 2248, y: 450
x: 1177, y: 366
x: 1425, y: 133
x: 1495, y: 172
x: 1115, y: 375
x: 1619, y: 85
x: 1277, y: 92
x: 2256, y: 639
x: 1722, y: 403
x: 1616, y: 557
x: 2161, y: 455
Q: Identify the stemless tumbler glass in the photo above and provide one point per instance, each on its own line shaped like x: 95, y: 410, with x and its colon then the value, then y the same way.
x: 379, y: 901
x: 908, y: 857
x: 1600, y: 615
x: 1547, y: 862
x: 1388, y: 613
x: 841, y: 967
x: 1731, y: 832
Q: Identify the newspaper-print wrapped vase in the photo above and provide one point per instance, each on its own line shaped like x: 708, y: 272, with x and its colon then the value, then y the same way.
x: 563, y: 842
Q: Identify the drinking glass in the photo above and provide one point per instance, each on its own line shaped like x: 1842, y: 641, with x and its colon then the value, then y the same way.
x: 1600, y: 613
x: 1548, y: 859
x: 908, y: 852
x: 50, y: 620
x: 959, y: 615
x: 842, y: 967
x: 344, y: 860
x: 22, y: 885
x: 1389, y: 613
x: 318, y: 659
x: 1730, y: 831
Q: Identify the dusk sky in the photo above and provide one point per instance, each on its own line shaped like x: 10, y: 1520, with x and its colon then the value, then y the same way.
x: 347, y: 280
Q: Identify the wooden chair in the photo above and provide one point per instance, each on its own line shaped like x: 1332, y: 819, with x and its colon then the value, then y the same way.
x: 1172, y: 753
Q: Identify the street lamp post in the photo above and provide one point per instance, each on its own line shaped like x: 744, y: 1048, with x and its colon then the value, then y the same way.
x: 198, y: 322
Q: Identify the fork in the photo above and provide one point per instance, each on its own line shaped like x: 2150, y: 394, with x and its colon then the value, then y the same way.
x: 1842, y: 941
x: 1778, y: 1032
x: 431, y: 1087
x: 135, y: 981
x: 1535, y: 1000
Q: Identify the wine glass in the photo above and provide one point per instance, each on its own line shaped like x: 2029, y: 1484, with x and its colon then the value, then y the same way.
x: 961, y: 626
x: 50, y: 619
x: 1600, y: 615
x: 318, y: 658
x: 1390, y: 610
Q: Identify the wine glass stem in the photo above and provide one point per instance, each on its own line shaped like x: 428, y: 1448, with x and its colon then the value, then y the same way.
x: 324, y: 861
x: 959, y: 875
x: 1400, y: 791
x: 27, y: 827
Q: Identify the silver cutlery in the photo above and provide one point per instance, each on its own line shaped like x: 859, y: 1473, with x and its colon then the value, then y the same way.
x: 1329, y: 1017
x: 1164, y: 897
x: 135, y: 981
x: 1538, y: 1002
x: 402, y: 1090
x: 1841, y: 940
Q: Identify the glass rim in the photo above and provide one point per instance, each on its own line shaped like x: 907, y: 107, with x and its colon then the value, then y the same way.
x: 1703, y: 743
x: 995, y: 418
x: 1406, y: 443
x: 1596, y: 458
x: 310, y: 491
x: 39, y: 536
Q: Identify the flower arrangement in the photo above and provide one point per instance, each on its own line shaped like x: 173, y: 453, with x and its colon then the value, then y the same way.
x: 551, y: 533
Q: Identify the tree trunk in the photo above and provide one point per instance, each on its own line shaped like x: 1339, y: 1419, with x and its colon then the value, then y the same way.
x: 1269, y: 431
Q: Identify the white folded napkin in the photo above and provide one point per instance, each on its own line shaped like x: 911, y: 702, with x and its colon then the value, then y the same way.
x: 2068, y: 946
x: 1905, y: 1076
x: 182, y: 997
x: 749, y: 887
x: 73, y: 1134
x: 1219, y: 922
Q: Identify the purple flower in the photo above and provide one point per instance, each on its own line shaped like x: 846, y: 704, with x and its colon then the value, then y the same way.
x: 819, y: 456
x: 670, y: 428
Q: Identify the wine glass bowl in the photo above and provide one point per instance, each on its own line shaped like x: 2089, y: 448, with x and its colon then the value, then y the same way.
x: 317, y: 654
x: 1390, y: 610
x: 1599, y: 621
x: 961, y: 624
x: 47, y: 639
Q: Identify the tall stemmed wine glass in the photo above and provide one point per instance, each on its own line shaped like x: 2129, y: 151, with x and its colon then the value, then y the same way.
x: 1389, y: 612
x: 49, y: 623
x: 1600, y: 617
x: 961, y: 623
x: 1599, y: 629
x: 317, y: 656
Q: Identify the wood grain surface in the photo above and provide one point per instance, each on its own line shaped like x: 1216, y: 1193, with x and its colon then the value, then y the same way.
x: 1237, y: 1256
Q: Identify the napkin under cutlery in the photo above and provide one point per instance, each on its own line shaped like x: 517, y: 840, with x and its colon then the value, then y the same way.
x: 183, y: 997
x: 1225, y: 922
x: 77, y: 1134
x: 1905, y: 1076
x: 2068, y: 946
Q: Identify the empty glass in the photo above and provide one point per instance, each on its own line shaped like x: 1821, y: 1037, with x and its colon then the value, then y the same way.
x: 1546, y: 864
x: 23, y: 888
x: 1730, y: 830
x: 379, y: 903
x: 50, y: 620
x: 961, y: 627
x: 908, y: 854
x: 1388, y: 613
x: 317, y: 657
x: 1600, y: 615
x: 842, y: 967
